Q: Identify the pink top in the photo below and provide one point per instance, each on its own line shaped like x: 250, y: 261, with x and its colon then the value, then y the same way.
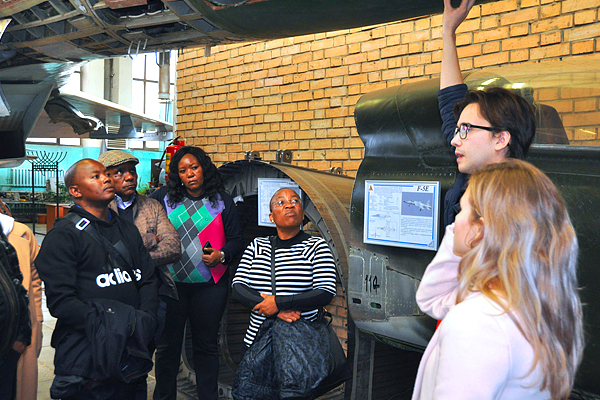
x: 477, y: 352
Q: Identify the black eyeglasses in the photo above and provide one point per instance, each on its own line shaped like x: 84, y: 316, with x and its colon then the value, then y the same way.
x: 463, y: 130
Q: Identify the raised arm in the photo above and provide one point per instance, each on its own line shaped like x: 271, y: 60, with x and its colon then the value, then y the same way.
x: 453, y: 17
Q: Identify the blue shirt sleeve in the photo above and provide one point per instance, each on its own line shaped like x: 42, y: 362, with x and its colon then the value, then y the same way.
x: 447, y: 98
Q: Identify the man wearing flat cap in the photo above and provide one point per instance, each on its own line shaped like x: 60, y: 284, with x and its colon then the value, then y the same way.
x: 159, y: 235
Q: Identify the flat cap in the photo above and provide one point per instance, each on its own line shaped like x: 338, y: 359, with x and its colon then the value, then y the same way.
x: 113, y: 158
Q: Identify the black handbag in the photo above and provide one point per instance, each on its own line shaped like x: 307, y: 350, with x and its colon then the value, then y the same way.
x: 338, y: 365
x: 309, y: 359
x: 255, y: 376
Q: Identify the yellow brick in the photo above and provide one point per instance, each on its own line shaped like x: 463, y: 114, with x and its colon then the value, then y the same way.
x: 490, y: 22
x: 336, y: 154
x: 550, y: 38
x: 585, y: 17
x: 420, y: 59
x: 336, y: 52
x: 422, y: 24
x: 358, y: 37
x: 551, y: 10
x: 432, y: 45
x: 319, y: 64
x: 529, y: 3
x: 355, y: 58
x: 582, y: 32
x: 436, y: 20
x: 355, y: 79
x: 491, y: 59
x: 469, y: 51
x: 582, y: 119
x: 493, y: 34
x: 557, y: 50
x: 585, y: 105
x: 562, y: 106
x: 415, y: 47
x: 469, y: 25
x: 373, y: 44
x: 339, y: 71
x: 399, y: 28
x: 394, y: 51
x: 433, y: 69
x: 416, y: 36
x: 560, y: 22
x: 577, y: 5
x: 491, y: 47
x: 586, y: 46
x: 321, y: 44
x: 353, y: 48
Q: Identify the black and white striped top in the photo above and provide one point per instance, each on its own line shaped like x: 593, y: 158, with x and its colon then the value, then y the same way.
x: 305, y: 265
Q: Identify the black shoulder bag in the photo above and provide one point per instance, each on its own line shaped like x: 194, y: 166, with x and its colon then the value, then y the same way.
x: 118, y: 252
x: 309, y: 359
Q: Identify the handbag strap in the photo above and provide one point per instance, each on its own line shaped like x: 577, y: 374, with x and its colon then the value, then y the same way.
x: 83, y: 224
x: 272, y: 240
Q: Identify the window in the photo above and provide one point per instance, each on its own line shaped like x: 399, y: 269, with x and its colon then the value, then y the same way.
x: 69, y: 141
x: 145, y: 75
x: 41, y: 140
x: 73, y: 83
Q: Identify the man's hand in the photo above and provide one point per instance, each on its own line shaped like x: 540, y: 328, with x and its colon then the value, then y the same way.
x: 450, y: 73
x: 453, y: 17
x: 19, y: 347
x: 211, y: 258
x: 289, y: 315
x: 266, y: 307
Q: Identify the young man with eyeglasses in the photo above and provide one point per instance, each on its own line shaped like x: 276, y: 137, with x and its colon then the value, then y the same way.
x: 484, y: 127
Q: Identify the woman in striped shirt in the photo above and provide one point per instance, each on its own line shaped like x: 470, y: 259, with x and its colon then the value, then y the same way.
x: 304, y: 269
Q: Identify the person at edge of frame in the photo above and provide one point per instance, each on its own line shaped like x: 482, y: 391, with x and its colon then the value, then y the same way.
x: 26, y: 246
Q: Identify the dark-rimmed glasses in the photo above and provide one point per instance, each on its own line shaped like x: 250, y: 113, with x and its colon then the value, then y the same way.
x: 463, y: 130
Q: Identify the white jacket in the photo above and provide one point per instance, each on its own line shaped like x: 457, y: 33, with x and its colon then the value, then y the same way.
x: 477, y: 352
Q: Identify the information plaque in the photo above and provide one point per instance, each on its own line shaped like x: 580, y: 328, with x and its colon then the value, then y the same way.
x: 402, y: 214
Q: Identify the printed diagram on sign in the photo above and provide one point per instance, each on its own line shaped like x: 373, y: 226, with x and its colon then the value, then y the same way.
x: 402, y: 214
x: 381, y: 224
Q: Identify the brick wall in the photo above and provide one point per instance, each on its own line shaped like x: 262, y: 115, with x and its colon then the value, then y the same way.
x: 299, y: 93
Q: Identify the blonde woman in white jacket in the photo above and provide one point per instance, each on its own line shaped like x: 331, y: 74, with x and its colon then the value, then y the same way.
x: 504, y: 286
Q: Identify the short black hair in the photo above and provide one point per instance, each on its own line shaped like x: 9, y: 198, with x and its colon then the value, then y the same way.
x: 72, y: 173
x: 506, y: 111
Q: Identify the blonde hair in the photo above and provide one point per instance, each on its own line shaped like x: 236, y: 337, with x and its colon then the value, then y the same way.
x: 527, y: 254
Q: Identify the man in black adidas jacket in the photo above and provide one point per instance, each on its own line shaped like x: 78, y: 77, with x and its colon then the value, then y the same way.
x: 77, y: 266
